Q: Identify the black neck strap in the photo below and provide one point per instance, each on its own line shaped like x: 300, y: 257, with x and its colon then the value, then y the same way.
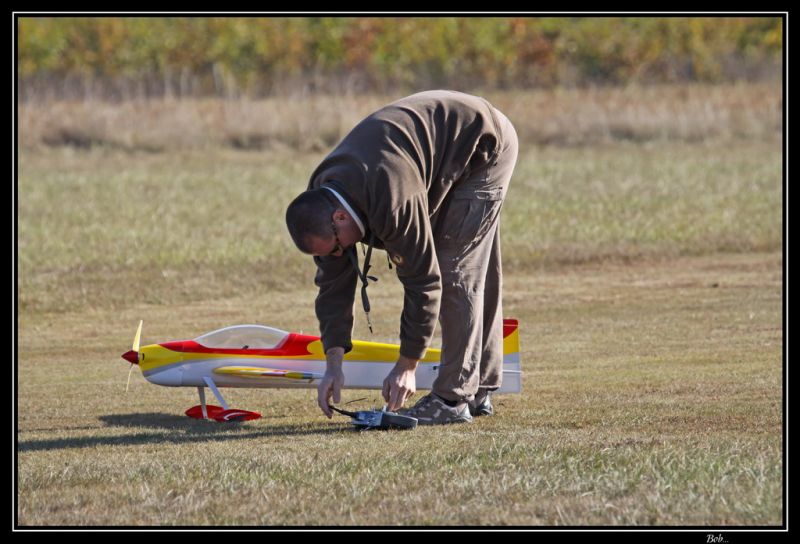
x: 362, y: 275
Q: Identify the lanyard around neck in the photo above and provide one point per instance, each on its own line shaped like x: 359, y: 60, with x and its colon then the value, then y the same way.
x: 362, y: 275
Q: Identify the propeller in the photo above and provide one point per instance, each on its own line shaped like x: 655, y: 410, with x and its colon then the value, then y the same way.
x: 133, y: 355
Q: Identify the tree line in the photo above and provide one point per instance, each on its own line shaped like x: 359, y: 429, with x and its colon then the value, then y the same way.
x: 255, y: 56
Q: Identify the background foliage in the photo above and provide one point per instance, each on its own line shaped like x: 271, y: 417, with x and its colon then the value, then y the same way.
x: 233, y: 56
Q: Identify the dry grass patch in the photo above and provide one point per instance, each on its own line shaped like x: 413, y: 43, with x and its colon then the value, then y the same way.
x: 313, y: 122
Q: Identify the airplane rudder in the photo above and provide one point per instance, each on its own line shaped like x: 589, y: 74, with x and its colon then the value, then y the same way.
x: 510, y: 336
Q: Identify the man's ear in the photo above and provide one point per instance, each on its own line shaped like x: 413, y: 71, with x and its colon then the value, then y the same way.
x: 340, y: 215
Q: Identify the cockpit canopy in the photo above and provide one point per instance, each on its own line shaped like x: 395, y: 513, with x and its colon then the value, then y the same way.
x: 243, y: 337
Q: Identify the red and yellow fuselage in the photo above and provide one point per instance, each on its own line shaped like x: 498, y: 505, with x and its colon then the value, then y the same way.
x: 297, y: 360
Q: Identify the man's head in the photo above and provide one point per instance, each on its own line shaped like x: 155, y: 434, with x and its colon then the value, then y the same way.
x: 319, y: 226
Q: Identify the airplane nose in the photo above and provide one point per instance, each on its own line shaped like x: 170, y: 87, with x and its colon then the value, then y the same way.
x: 132, y: 357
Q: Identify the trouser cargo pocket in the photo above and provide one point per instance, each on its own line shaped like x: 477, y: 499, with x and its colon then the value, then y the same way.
x: 470, y: 216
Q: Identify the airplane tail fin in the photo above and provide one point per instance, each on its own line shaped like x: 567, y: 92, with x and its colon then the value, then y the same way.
x: 510, y: 336
x: 512, y: 370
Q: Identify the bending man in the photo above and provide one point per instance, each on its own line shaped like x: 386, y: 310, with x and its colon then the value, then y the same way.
x: 423, y: 178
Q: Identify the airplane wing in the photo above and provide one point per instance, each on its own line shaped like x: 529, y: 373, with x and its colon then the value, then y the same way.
x: 267, y: 373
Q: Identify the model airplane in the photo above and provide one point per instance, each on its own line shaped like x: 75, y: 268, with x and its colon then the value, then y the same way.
x: 264, y: 357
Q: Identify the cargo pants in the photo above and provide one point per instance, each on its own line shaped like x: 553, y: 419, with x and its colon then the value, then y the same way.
x: 467, y: 239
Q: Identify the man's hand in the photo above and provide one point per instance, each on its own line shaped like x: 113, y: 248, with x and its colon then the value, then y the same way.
x: 401, y: 383
x: 332, y: 382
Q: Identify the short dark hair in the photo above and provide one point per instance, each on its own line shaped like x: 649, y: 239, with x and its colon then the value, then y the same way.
x: 309, y: 215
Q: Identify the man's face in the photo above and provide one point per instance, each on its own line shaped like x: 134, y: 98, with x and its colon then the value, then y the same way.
x: 340, y: 239
x: 321, y: 247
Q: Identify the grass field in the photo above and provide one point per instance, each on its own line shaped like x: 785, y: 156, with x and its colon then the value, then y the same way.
x: 646, y: 272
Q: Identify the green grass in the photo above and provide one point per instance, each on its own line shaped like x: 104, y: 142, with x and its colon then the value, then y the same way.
x: 108, y: 228
x: 632, y: 200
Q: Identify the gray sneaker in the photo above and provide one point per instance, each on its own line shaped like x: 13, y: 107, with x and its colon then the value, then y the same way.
x: 481, y: 405
x: 431, y: 410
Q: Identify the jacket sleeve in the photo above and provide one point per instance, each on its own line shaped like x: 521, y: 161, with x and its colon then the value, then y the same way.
x: 408, y: 238
x: 336, y: 280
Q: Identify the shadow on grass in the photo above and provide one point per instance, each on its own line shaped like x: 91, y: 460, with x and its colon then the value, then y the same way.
x: 172, y: 429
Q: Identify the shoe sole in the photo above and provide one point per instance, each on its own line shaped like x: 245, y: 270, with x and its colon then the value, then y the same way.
x: 454, y: 422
